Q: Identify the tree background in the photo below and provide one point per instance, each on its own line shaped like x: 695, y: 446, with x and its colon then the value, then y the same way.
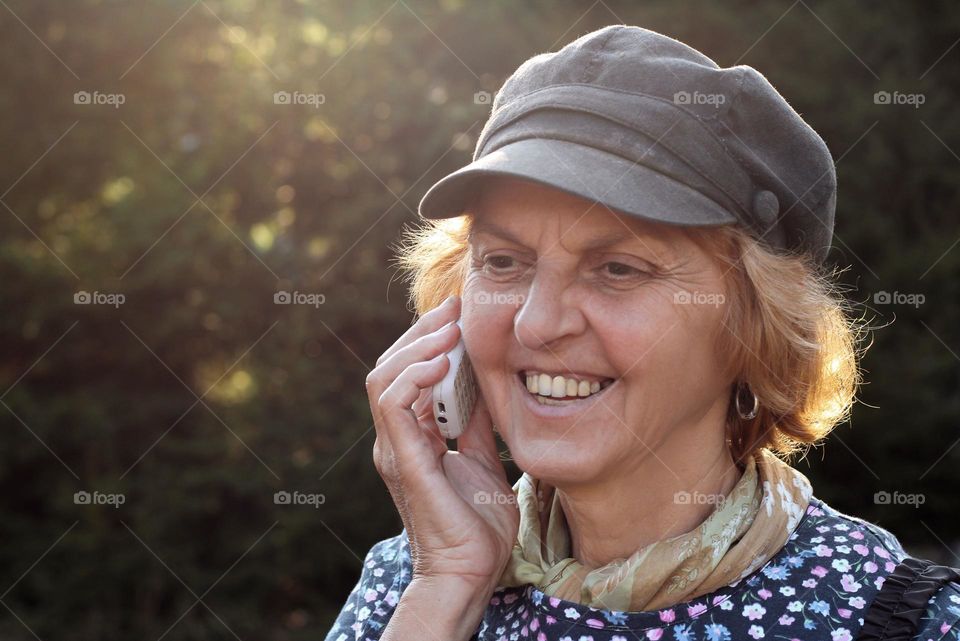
x: 200, y: 197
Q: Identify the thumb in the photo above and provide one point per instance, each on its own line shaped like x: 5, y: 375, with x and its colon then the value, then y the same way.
x: 477, y: 440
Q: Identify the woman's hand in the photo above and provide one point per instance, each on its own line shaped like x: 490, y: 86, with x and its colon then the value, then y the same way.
x: 457, y: 507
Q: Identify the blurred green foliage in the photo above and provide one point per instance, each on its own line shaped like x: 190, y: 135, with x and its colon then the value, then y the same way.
x: 200, y: 197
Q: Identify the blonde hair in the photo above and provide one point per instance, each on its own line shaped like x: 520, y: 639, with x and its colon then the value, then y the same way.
x: 789, y: 334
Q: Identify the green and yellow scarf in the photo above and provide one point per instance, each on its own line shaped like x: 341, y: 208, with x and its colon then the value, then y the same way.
x: 744, y: 531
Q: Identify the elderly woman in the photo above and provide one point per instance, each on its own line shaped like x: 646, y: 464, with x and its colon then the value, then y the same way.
x: 635, y: 256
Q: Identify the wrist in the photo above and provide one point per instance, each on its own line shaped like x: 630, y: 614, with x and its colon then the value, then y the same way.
x: 449, y: 607
x: 458, y: 585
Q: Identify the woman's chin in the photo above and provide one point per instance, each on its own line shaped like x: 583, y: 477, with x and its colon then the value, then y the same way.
x: 566, y: 461
x: 558, y: 444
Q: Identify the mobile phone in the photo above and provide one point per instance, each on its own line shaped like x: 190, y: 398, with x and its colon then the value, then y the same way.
x: 455, y: 396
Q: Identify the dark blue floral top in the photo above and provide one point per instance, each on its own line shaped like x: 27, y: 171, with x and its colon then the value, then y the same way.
x: 816, y: 588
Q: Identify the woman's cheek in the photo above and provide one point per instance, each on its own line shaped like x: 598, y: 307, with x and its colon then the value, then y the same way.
x: 487, y: 325
x: 485, y: 297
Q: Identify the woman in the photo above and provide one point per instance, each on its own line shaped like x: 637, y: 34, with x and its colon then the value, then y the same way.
x: 635, y: 255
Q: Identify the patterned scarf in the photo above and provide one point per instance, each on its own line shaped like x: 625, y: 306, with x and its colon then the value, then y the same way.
x: 746, y: 529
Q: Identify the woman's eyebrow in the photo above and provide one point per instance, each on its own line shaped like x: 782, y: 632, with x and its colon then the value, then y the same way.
x: 601, y: 241
x: 494, y: 229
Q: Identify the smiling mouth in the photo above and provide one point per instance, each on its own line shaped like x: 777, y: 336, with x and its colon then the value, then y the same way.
x: 560, y: 390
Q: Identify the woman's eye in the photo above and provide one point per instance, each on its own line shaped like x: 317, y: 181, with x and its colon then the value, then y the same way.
x: 621, y: 270
x: 500, y: 261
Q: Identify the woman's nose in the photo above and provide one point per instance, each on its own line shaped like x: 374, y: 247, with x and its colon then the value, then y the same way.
x: 549, y: 312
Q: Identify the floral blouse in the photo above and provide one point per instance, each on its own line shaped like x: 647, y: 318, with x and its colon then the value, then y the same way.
x: 817, y: 587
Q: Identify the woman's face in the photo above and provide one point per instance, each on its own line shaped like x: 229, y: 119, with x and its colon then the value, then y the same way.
x: 547, y: 293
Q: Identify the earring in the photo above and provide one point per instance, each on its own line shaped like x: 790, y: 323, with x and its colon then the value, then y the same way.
x: 754, y: 407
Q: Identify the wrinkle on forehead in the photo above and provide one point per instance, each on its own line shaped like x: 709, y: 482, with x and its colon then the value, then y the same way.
x: 507, y: 199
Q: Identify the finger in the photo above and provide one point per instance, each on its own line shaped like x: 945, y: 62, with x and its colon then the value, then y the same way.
x: 384, y: 375
x: 429, y: 322
x: 424, y: 402
x: 439, y: 341
x: 411, y: 447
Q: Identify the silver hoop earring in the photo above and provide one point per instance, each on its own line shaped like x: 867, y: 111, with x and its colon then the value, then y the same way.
x: 754, y: 407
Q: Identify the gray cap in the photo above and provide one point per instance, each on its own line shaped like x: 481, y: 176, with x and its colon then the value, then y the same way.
x: 646, y: 125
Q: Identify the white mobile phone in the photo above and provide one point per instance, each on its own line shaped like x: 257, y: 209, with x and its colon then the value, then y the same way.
x: 455, y: 396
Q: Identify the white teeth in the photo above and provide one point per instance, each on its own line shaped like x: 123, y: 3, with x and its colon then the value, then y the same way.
x: 559, y: 389
x: 544, y: 385
x: 558, y: 386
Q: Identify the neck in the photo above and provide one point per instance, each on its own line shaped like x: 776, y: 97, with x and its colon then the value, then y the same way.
x: 608, y: 519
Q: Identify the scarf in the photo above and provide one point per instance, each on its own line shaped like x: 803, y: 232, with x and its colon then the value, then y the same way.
x: 747, y: 527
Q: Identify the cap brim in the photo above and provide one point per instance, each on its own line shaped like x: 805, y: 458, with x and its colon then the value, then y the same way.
x: 598, y: 176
